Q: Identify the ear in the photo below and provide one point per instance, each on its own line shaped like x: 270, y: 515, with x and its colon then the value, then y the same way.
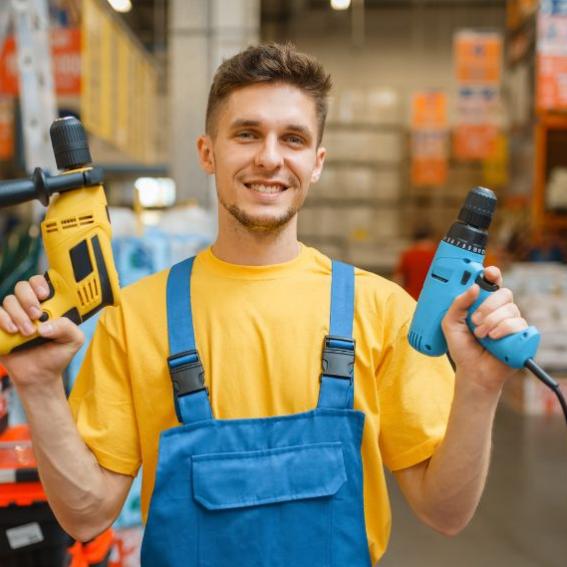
x: 319, y: 160
x: 206, y: 155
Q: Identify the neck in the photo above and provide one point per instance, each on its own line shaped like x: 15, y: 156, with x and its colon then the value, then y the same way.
x: 238, y: 245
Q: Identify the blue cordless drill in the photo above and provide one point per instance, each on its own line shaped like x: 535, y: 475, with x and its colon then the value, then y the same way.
x: 457, y: 265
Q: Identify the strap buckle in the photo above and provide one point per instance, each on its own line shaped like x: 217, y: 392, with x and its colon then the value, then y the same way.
x: 338, y: 357
x: 187, y: 373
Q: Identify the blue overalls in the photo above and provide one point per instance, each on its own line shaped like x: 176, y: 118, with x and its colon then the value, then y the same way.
x: 282, y: 491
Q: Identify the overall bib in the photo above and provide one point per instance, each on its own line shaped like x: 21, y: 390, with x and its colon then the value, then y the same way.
x: 283, y: 491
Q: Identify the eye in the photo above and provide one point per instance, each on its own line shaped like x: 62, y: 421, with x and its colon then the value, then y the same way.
x: 246, y: 135
x: 295, y: 140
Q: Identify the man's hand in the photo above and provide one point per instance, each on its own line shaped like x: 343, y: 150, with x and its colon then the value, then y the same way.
x: 444, y: 491
x: 42, y: 364
x: 85, y: 497
x: 497, y: 317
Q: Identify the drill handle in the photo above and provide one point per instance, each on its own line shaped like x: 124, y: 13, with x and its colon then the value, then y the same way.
x: 513, y: 350
x: 451, y: 273
x: 41, y: 185
x: 56, y: 305
x: 16, y: 191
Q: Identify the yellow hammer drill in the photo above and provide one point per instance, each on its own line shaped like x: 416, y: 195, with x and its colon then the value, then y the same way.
x: 76, y: 232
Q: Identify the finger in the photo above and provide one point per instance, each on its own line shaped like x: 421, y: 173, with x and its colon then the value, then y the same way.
x: 508, y: 327
x: 458, y: 311
x: 6, y: 322
x: 18, y: 315
x: 40, y: 286
x: 491, y: 321
x: 28, y: 299
x: 493, y: 275
x: 62, y: 330
x: 491, y: 303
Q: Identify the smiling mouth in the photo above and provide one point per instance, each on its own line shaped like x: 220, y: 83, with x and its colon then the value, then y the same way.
x: 265, y: 188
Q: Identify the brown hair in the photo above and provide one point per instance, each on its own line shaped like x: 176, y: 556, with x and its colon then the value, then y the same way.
x: 270, y: 63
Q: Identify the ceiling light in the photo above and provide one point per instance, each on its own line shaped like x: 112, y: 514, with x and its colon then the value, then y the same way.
x: 340, y: 4
x: 121, y: 5
x: 156, y: 191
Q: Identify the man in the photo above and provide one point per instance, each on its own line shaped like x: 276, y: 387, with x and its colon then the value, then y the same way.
x: 259, y: 302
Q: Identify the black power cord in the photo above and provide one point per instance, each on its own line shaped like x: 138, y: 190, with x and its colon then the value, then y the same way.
x: 544, y: 377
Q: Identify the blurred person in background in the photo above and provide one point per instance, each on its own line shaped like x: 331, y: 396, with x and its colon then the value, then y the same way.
x: 414, y: 262
x: 547, y: 246
x: 327, y: 414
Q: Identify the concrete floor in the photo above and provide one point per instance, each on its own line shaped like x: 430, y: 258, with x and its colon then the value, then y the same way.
x: 522, y: 519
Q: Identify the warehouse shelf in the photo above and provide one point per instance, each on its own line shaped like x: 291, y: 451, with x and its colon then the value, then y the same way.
x: 371, y: 164
x: 364, y: 127
x: 351, y: 202
x: 550, y: 140
x: 134, y: 169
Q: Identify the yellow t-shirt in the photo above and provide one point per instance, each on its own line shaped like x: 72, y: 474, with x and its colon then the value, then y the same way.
x: 259, y: 332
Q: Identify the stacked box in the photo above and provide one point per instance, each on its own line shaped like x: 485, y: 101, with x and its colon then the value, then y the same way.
x: 306, y: 223
x: 357, y: 200
x: 331, y: 250
x: 358, y: 181
x: 540, y: 290
x: 327, y: 185
x: 361, y: 145
x: 376, y: 105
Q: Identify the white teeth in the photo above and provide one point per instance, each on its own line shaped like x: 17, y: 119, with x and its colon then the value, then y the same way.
x: 266, y: 188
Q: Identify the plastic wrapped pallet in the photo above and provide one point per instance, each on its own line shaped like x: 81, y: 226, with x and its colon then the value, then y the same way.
x: 540, y: 290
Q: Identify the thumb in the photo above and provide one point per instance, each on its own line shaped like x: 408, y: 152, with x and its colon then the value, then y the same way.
x: 457, y: 313
x: 62, y: 330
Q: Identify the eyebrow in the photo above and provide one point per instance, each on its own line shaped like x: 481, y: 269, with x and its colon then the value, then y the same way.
x: 240, y: 122
x: 247, y: 123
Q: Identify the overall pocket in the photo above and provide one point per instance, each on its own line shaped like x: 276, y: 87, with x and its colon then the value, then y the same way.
x: 267, y: 508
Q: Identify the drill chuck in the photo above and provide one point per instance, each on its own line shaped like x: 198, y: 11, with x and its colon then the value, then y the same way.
x: 70, y: 143
x: 71, y: 149
x: 469, y: 232
x: 478, y: 208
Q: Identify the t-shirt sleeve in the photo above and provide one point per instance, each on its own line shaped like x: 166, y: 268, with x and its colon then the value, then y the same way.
x: 415, y: 393
x: 101, y: 400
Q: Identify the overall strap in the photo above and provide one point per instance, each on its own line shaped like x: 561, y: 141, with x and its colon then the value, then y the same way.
x: 337, y: 377
x: 185, y: 368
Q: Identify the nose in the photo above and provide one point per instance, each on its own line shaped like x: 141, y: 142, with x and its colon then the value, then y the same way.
x: 269, y: 155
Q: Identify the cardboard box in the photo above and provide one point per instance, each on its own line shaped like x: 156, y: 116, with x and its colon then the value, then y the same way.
x: 359, y: 223
x: 334, y: 251
x: 327, y: 184
x: 365, y: 146
x: 388, y: 184
x: 306, y: 222
x: 378, y: 105
x: 357, y: 181
x: 353, y: 181
x: 368, y: 182
x: 328, y: 222
x: 383, y: 106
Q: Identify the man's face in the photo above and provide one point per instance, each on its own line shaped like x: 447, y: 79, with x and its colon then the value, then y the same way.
x: 263, y: 154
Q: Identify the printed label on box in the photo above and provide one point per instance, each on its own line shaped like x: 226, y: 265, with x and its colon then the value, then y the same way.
x: 25, y: 535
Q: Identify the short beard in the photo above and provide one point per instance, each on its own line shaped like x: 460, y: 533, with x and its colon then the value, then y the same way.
x: 259, y: 224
